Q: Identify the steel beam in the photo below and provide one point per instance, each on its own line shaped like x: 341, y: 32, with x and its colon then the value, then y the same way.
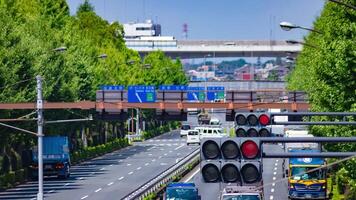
x: 307, y: 139
x: 314, y: 123
x: 310, y: 155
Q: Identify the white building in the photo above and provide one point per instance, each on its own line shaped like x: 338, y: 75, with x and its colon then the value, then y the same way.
x: 146, y: 29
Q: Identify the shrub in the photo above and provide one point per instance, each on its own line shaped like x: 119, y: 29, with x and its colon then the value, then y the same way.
x: 341, y: 180
x: 20, y: 175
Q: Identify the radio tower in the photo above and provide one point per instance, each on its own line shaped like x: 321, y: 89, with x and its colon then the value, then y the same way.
x: 185, y: 30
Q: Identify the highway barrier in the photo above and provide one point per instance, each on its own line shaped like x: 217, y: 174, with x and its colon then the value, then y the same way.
x: 156, y: 183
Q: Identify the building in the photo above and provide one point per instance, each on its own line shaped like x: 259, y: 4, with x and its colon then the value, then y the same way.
x: 247, y: 72
x: 136, y: 30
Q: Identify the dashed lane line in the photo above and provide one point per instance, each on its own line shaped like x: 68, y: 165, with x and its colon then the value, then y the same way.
x: 275, y: 168
x: 272, y: 190
x: 147, y: 164
x: 84, y: 197
x: 138, y: 168
x: 120, y: 178
x: 274, y: 173
x: 98, y: 190
x: 110, y: 183
x: 271, y: 197
x: 274, y: 178
x: 179, y: 147
x: 130, y: 173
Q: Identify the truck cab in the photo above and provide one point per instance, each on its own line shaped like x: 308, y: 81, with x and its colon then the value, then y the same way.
x: 181, y: 191
x: 241, y: 193
x: 305, y: 180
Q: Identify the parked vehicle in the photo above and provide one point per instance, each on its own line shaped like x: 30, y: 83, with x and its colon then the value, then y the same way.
x: 241, y: 193
x: 180, y: 191
x: 56, y: 157
x: 184, y: 129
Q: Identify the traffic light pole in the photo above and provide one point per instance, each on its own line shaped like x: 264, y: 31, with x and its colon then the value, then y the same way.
x: 310, y: 155
x: 40, y: 137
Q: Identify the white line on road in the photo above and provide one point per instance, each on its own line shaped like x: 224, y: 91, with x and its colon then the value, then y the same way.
x: 275, y: 164
x: 170, y: 151
x: 150, y: 154
x: 274, y: 173
x: 146, y: 164
x: 66, y: 184
x: 277, y: 160
x: 50, y: 191
x: 153, y: 160
x: 138, y: 168
x: 163, y: 164
x: 271, y: 197
x: 275, y: 168
x: 102, y: 168
x: 272, y: 190
x: 86, y: 196
x: 120, y: 178
x: 273, y: 184
x: 128, y: 164
x: 98, y: 190
x: 110, y: 183
x: 165, y: 154
x: 191, y: 176
x: 274, y: 178
x: 81, y: 178
x: 159, y: 157
x: 130, y: 173
x: 179, y: 147
x: 111, y: 165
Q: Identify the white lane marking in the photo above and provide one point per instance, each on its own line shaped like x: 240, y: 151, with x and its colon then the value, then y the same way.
x: 163, y: 164
x: 111, y: 165
x: 150, y: 154
x: 170, y: 151
x: 130, y: 173
x: 161, y: 149
x: 34, y: 198
x: 272, y: 190
x: 92, y: 173
x: 178, y: 154
x: 273, y: 184
x: 128, y: 164
x: 274, y: 178
x: 50, y: 191
x: 66, y: 184
x: 165, y: 154
x: 146, y: 164
x: 120, y: 178
x: 138, y: 168
x: 98, y: 190
x: 153, y: 160
x: 110, y: 183
x: 81, y: 178
x: 191, y: 176
x: 275, y: 168
x: 271, y: 197
x: 179, y: 147
x: 159, y: 157
x: 277, y: 160
x: 86, y: 196
x: 102, y: 168
x: 274, y: 173
x: 276, y: 164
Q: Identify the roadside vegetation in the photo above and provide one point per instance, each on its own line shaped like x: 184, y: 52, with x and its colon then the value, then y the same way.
x: 327, y: 72
x: 30, y: 31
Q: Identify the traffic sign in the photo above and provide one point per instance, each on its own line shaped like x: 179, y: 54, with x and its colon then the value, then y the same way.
x: 173, y: 87
x: 215, y: 93
x: 196, y: 94
x: 112, y: 87
x: 141, y: 94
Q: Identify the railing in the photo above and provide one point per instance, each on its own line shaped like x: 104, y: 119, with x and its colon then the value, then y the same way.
x: 155, y: 183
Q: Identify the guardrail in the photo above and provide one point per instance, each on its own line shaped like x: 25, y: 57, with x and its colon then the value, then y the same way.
x: 155, y: 183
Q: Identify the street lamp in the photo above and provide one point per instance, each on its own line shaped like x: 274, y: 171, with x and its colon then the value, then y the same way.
x: 103, y: 56
x: 287, y: 26
x: 302, y: 43
x: 60, y: 49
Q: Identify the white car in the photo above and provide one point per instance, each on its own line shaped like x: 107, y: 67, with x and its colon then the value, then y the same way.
x: 184, y: 130
x: 193, y: 137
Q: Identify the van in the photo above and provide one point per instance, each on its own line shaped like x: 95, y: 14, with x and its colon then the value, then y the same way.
x: 193, y: 137
x: 210, y: 131
x: 184, y: 129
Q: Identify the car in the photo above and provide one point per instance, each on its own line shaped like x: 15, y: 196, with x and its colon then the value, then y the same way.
x: 193, y: 137
x: 184, y: 130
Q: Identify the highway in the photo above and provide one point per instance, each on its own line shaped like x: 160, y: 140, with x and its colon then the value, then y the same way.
x: 113, y: 175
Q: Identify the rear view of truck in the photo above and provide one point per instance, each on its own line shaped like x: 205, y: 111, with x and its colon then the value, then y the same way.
x: 56, y: 159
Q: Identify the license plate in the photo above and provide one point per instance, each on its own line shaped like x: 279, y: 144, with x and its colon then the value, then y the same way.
x: 48, y: 167
x: 308, y: 195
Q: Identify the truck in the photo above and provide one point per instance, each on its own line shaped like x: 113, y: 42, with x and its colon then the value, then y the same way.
x: 305, y: 179
x: 242, y: 193
x: 204, y: 118
x: 56, y: 158
x: 180, y: 191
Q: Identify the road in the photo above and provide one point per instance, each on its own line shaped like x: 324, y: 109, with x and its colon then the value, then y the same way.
x: 275, y: 188
x: 113, y: 175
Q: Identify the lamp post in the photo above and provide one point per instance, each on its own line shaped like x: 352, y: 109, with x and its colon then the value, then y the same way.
x: 287, y: 26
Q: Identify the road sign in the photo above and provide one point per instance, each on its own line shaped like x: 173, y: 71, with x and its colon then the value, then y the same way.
x: 173, y: 87
x: 215, y: 93
x: 141, y: 94
x: 112, y: 87
x: 196, y: 94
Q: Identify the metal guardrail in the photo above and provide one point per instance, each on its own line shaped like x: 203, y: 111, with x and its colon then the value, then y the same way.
x: 155, y: 183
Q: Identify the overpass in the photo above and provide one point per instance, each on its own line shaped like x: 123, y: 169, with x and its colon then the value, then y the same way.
x: 186, y: 49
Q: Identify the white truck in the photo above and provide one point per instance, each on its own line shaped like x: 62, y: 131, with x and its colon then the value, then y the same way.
x: 299, y: 133
x: 242, y: 193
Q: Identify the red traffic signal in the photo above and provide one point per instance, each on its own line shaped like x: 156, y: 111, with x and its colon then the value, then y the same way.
x: 250, y: 149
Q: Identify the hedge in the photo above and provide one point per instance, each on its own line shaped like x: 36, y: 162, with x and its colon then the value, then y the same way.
x: 159, y: 130
x: 12, y: 178
x: 91, y: 152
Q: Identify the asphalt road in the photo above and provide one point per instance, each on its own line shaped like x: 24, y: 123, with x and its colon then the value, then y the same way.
x: 113, y: 175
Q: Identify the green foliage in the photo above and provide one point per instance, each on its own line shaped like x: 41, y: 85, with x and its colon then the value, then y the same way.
x: 328, y: 74
x: 85, y: 7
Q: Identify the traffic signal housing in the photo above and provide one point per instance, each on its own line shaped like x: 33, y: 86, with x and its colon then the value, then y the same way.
x: 231, y: 160
x: 252, y: 125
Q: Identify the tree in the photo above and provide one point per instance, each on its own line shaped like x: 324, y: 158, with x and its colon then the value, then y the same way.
x: 85, y: 7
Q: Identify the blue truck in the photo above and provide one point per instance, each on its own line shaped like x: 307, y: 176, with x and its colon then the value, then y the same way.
x: 305, y: 179
x: 56, y: 158
x: 180, y: 191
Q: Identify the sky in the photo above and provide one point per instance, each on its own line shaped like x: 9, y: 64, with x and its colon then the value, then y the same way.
x: 214, y: 19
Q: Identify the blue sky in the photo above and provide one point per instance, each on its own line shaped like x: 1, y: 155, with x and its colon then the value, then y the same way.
x: 214, y: 19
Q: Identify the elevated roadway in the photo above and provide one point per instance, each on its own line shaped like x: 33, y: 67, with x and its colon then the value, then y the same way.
x: 186, y: 49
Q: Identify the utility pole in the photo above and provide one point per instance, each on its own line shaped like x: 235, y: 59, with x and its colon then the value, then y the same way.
x: 137, y: 121
x: 40, y: 137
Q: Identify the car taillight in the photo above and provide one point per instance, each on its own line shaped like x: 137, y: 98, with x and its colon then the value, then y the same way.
x: 59, y: 166
x: 34, y: 166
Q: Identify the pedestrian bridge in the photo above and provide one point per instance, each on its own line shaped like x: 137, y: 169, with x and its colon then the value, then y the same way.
x: 186, y: 49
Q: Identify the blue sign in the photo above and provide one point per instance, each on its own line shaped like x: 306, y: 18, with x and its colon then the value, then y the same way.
x: 214, y: 93
x: 112, y: 87
x: 141, y: 94
x: 173, y: 87
x: 196, y: 94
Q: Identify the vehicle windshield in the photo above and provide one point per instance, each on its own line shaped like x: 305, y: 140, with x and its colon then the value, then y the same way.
x: 242, y: 197
x: 181, y: 194
x: 185, y: 127
x: 193, y: 133
x: 299, y: 173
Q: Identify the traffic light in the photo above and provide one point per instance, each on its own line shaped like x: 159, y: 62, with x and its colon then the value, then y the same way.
x: 231, y: 160
x: 252, y: 125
